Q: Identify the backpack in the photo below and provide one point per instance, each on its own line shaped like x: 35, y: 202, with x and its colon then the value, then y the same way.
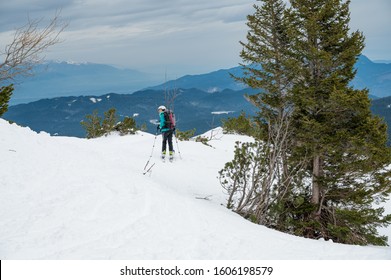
x: 169, y: 119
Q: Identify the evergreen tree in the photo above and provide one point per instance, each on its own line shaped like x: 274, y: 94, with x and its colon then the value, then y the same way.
x: 96, y: 127
x: 270, y: 68
x: 109, y: 121
x: 127, y: 126
x: 328, y: 148
x: 241, y: 125
x: 93, y: 125
x: 334, y: 128
x: 5, y: 96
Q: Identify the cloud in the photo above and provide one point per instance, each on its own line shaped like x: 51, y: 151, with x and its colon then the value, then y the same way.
x: 18, y: 6
x: 373, y: 18
x: 200, y: 35
x: 142, y: 33
x: 15, y: 13
x: 87, y: 13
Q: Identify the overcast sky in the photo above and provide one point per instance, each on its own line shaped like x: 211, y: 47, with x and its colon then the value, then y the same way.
x: 173, y: 36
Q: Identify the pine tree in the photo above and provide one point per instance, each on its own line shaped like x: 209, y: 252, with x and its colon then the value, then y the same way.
x: 93, y: 125
x: 5, y: 96
x: 127, y: 126
x: 267, y: 57
x: 270, y: 69
x: 110, y: 120
x: 328, y: 150
x: 96, y: 127
x: 334, y: 128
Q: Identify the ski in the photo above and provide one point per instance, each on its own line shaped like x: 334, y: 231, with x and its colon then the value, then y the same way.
x: 203, y: 197
x: 149, y: 169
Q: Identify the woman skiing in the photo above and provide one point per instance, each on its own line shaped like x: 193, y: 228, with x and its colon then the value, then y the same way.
x: 167, y: 129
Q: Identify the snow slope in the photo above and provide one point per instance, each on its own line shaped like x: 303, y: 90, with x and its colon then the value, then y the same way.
x: 71, y: 198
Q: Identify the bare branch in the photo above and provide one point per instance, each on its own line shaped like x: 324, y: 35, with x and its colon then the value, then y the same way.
x: 27, y: 47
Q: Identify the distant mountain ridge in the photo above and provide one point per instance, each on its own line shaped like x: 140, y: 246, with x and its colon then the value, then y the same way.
x: 374, y: 76
x: 198, y: 96
x: 55, y: 79
x: 194, y: 108
x: 210, y: 82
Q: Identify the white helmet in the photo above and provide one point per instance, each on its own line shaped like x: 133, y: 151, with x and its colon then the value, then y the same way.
x: 162, y: 108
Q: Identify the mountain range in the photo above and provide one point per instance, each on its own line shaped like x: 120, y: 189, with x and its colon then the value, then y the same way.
x: 55, y: 79
x: 374, y: 76
x: 194, y: 108
x: 201, y: 101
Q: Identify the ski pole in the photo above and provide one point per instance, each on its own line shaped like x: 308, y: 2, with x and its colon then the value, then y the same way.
x: 177, y: 145
x: 154, y: 142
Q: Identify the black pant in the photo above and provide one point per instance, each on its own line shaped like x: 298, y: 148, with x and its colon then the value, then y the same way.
x: 167, y: 137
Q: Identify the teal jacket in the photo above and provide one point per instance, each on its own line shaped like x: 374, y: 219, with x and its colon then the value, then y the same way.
x: 162, y: 125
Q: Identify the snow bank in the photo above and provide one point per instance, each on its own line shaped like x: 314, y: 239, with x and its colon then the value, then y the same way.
x: 71, y: 198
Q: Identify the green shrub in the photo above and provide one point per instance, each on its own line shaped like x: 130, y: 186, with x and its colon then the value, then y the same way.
x: 110, y: 121
x: 93, y: 125
x: 241, y: 125
x: 127, y: 126
x: 203, y: 140
x: 185, y: 135
x: 96, y: 127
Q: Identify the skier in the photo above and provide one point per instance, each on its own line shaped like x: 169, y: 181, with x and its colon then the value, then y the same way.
x: 167, y: 128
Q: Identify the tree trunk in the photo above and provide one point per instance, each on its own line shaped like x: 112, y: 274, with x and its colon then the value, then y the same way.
x: 317, y: 173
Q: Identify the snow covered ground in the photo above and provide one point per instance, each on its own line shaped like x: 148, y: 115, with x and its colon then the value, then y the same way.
x: 69, y: 198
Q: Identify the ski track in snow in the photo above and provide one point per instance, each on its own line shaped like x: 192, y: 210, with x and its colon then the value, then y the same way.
x: 70, y: 198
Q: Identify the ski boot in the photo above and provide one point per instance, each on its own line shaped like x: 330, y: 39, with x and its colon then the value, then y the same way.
x: 171, y: 157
